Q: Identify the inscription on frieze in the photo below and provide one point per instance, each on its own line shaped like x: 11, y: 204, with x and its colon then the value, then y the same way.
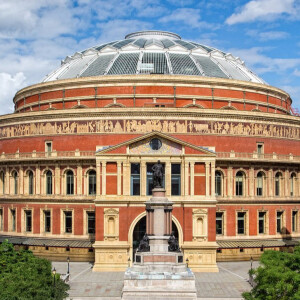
x: 145, y: 126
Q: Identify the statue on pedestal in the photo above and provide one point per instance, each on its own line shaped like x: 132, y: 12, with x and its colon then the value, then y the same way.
x: 173, y: 243
x: 158, y: 174
x: 144, y: 244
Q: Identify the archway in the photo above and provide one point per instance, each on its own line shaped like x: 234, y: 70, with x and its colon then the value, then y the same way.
x: 139, y: 231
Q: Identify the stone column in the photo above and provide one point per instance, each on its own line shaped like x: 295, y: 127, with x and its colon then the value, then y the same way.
x: 57, y: 179
x: 143, y: 178
x: 119, y: 178
x: 286, y: 184
x: 212, y: 179
x: 168, y: 179
x: 79, y: 180
x: 270, y: 183
x: 251, y: 182
x: 98, y: 178
x: 7, y: 184
x: 103, y: 178
x: 229, y: 181
x: 192, y: 178
x: 21, y: 179
x: 126, y: 178
x: 207, y: 179
x: 38, y: 180
x: 186, y: 178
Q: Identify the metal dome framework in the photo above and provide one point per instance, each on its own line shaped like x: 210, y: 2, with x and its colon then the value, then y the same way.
x: 153, y: 52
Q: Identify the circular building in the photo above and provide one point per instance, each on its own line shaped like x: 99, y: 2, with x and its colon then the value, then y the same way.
x: 77, y: 155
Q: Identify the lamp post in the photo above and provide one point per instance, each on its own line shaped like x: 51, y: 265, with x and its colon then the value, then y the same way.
x: 187, y: 262
x: 251, y: 262
x: 129, y: 260
x: 68, y: 260
x: 54, y: 273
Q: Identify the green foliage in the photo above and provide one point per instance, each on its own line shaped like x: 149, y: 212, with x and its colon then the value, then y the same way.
x: 24, y: 276
x: 277, y: 277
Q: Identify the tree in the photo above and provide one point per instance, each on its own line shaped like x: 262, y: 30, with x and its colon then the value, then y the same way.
x: 24, y: 276
x: 277, y: 277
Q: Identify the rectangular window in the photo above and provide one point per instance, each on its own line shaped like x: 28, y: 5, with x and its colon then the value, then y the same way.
x: 241, y: 222
x: 260, y: 149
x: 135, y: 180
x: 91, y: 222
x: 13, y: 219
x: 92, y: 183
x: 28, y: 220
x: 47, y: 220
x: 175, y: 179
x: 294, y: 221
x: 219, y: 223
x: 68, y: 221
x: 1, y: 219
x: 279, y: 219
x: 48, y: 147
x: 259, y: 188
x: 261, y: 222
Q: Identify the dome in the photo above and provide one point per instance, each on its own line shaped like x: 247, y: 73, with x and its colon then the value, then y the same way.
x: 153, y: 52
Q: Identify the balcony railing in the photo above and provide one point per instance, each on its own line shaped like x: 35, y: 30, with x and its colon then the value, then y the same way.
x: 256, y: 156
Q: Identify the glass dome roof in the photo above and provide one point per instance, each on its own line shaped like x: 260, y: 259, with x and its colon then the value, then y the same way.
x: 153, y: 52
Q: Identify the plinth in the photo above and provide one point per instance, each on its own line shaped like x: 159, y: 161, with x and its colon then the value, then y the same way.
x: 159, y: 271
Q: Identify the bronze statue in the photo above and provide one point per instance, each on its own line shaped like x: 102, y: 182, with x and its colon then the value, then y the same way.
x: 173, y: 243
x: 158, y: 174
x: 144, y: 244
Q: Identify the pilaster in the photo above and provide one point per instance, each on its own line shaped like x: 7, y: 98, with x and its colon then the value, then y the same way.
x: 38, y: 179
x: 98, y: 177
x: 21, y: 180
x: 143, y: 178
x: 192, y: 178
x: 212, y: 176
x: 119, y: 178
x: 79, y: 180
x: 57, y: 179
x: 207, y: 167
x: 103, y: 178
x: 186, y: 178
x: 168, y: 183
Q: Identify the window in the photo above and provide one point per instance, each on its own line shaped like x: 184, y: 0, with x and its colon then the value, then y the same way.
x: 150, y: 179
x: 1, y: 219
x: 68, y: 221
x: 155, y: 144
x: 47, y: 220
x: 219, y: 223
x: 260, y: 149
x: 15, y: 178
x: 292, y: 184
x: 277, y: 184
x: 175, y: 179
x: 294, y: 221
x: 48, y: 147
x: 259, y: 184
x: 92, y: 182
x: 49, y: 183
x: 2, y: 178
x: 218, y: 183
x: 91, y: 222
x: 70, y: 182
x: 262, y: 222
x: 13, y: 219
x: 239, y: 182
x: 28, y: 220
x: 279, y: 221
x: 135, y: 180
x: 30, y: 182
x: 241, y: 222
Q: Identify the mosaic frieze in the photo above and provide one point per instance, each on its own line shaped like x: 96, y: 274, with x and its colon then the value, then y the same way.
x: 145, y: 126
x: 143, y: 147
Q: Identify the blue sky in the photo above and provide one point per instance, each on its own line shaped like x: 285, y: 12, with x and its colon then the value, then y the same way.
x: 35, y: 35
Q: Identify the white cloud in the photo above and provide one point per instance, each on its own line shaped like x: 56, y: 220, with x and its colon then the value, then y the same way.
x: 265, y: 10
x: 187, y: 16
x: 296, y: 72
x: 268, y: 35
x: 9, y: 85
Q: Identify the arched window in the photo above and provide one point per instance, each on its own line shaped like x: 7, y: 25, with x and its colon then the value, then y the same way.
x: 239, y: 184
x: 15, y: 178
x: 260, y: 184
x: 70, y: 183
x: 292, y: 184
x: 218, y: 183
x: 2, y: 182
x: 278, y: 177
x: 30, y: 182
x: 49, y: 182
x: 92, y: 182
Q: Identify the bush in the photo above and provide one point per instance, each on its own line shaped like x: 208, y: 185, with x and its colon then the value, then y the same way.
x: 24, y: 276
x: 277, y: 277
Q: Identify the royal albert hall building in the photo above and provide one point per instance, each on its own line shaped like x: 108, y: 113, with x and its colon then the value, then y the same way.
x: 76, y: 155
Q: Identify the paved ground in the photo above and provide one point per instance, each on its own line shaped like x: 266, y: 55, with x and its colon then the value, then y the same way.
x: 229, y: 283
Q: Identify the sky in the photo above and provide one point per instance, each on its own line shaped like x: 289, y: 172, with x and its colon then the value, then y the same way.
x: 35, y: 35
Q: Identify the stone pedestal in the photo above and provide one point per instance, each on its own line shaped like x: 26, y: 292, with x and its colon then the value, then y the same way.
x: 159, y: 273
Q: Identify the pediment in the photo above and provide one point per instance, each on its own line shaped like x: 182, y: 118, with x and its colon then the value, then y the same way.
x: 77, y: 55
x: 199, y: 50
x: 169, y: 146
x: 216, y: 53
x: 130, y: 47
x: 177, y: 48
x: 90, y: 51
x: 154, y: 47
